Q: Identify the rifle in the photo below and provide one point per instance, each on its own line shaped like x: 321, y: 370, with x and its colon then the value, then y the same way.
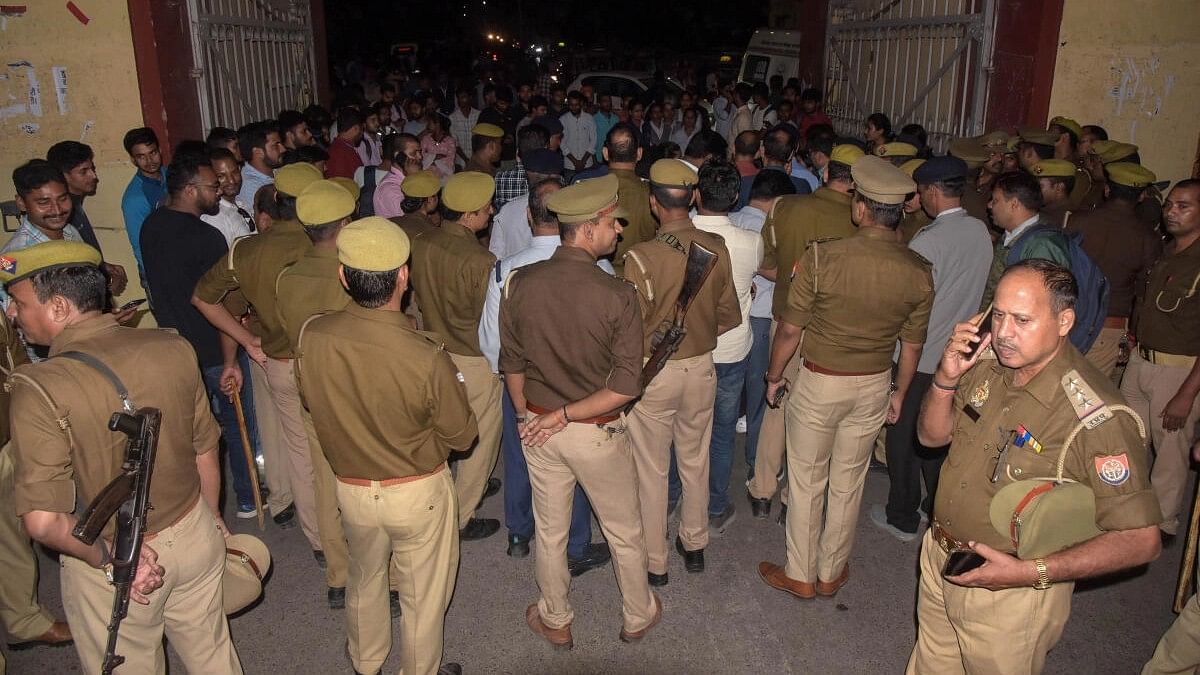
x: 700, y: 263
x: 128, y: 496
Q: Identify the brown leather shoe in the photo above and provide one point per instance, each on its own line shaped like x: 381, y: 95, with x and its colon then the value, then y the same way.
x: 559, y: 637
x: 830, y: 588
x: 59, y: 633
x: 634, y: 636
x: 775, y: 578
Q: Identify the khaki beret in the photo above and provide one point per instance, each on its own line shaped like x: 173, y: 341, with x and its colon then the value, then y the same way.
x: 896, y: 149
x: 877, y: 179
x: 584, y: 200
x: 1069, y: 124
x: 349, y: 185
x: 420, y: 184
x: 846, y: 154
x: 673, y: 173
x: 1130, y: 174
x: 468, y: 191
x: 994, y: 141
x: 1048, y: 519
x: 1053, y: 168
x: 372, y: 244
x: 293, y: 178
x: 911, y: 166
x: 17, y: 265
x: 486, y: 129
x: 1113, y: 151
x: 1039, y: 136
x: 323, y: 202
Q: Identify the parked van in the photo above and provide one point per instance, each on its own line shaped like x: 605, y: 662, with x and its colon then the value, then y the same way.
x: 771, y: 52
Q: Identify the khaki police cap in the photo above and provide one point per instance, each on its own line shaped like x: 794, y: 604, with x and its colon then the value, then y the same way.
x: 348, y: 185
x: 293, y: 178
x: 846, y: 154
x: 1069, y: 124
x: 878, y: 180
x: 17, y: 265
x: 420, y: 184
x: 323, y: 202
x: 673, y: 173
x: 1113, y: 151
x: 468, y: 191
x: 1039, y: 136
x: 486, y: 129
x: 1130, y: 174
x: 1041, y: 517
x: 911, y: 166
x: 970, y: 149
x: 584, y: 200
x: 896, y: 149
x: 1053, y: 168
x: 994, y: 141
x: 372, y: 244
x: 247, y: 561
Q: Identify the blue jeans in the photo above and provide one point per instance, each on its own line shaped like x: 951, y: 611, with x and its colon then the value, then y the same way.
x: 518, y: 494
x: 226, y: 415
x: 731, y: 380
x: 756, y: 386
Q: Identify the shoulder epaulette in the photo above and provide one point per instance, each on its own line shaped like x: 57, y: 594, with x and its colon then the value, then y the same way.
x: 1085, y: 402
x: 822, y: 240
x: 433, y: 339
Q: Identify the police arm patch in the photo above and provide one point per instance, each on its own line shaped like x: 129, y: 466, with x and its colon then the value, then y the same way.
x: 1113, y: 469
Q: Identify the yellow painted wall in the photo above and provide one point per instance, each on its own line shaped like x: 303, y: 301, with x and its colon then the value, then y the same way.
x: 1134, y: 69
x: 100, y: 103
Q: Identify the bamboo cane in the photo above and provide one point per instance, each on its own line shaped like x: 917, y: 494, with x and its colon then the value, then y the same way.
x: 1183, y: 589
x: 248, y: 450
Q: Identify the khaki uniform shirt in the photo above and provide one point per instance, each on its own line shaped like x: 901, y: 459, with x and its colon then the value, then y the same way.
x: 1056, y: 214
x: 912, y: 224
x: 415, y: 224
x: 12, y: 354
x: 572, y: 329
x: 475, y: 164
x: 659, y: 279
x: 1121, y: 248
x: 795, y: 221
x: 387, y: 401
x: 1087, y: 193
x: 1043, y: 408
x: 449, y: 276
x: 1169, y: 318
x: 633, y: 195
x: 975, y: 200
x: 252, y: 265
x: 159, y: 370
x: 854, y: 297
x: 309, y: 287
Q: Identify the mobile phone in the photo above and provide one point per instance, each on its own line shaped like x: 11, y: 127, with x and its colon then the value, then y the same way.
x: 985, y: 329
x: 779, y: 394
x: 131, y: 304
x: 962, y: 561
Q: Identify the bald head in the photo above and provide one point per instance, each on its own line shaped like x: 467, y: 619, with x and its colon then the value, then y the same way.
x: 621, y: 145
x: 542, y: 220
x: 745, y: 145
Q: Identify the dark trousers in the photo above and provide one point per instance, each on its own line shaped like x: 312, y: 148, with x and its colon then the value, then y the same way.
x: 909, y: 462
x: 518, y: 494
x: 226, y: 416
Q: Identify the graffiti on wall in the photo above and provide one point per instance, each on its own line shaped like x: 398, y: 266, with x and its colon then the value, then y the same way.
x: 1139, y: 88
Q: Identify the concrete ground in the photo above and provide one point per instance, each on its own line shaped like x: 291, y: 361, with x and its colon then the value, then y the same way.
x: 722, y: 621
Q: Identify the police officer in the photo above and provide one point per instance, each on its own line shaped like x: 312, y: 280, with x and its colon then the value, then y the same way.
x: 677, y: 406
x: 251, y: 267
x: 63, y: 450
x: 1056, y: 178
x: 1163, y: 377
x: 622, y: 151
x: 790, y: 227
x: 1123, y: 250
x: 571, y: 353
x: 450, y: 275
x: 395, y: 494
x: 420, y: 204
x: 872, y: 287
x: 1007, y: 420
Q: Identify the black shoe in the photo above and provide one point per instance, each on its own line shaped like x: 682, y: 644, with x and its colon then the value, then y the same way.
x: 450, y: 669
x: 320, y: 557
x: 337, y: 597
x: 286, y: 519
x: 493, y: 486
x: 782, y: 519
x: 518, y: 546
x: 595, y: 556
x: 479, y: 528
x: 394, y: 603
x: 760, y: 508
x: 656, y: 579
x: 693, y: 561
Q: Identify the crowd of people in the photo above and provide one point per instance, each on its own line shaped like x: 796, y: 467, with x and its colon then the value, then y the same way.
x: 401, y: 291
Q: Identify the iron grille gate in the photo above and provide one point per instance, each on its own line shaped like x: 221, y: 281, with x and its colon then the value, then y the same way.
x: 917, y: 61
x: 253, y: 58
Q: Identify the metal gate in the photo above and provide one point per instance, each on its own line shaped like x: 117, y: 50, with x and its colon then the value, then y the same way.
x: 253, y: 58
x: 917, y: 61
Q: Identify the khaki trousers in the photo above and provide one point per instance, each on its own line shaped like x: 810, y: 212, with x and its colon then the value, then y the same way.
x: 676, y: 407
x: 417, y: 525
x: 286, y: 396
x: 1148, y: 388
x: 188, y: 607
x: 981, y: 632
x: 329, y: 517
x: 1178, y: 652
x: 22, y: 616
x: 772, y: 438
x: 601, y: 461
x: 831, y: 428
x: 1106, y: 350
x: 483, y: 393
x: 270, y: 437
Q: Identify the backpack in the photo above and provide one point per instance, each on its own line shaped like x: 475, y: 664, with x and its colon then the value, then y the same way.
x: 366, y: 198
x: 1091, y: 309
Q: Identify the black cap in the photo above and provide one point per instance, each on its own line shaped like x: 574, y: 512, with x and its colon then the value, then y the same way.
x: 940, y: 169
x: 544, y: 161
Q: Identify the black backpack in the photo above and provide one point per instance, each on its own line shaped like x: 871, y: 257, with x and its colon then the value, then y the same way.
x: 366, y: 198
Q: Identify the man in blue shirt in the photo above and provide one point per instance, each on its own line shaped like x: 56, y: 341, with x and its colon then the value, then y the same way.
x: 147, y: 189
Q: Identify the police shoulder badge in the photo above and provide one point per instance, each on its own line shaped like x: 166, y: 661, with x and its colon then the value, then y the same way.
x: 1113, y: 469
x: 980, y: 395
x: 8, y: 265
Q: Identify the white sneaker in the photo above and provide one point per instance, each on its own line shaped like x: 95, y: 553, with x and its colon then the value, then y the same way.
x: 247, y: 515
x: 879, y: 519
x: 741, y: 424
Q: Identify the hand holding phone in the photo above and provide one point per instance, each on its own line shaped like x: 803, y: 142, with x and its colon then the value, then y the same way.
x: 777, y: 399
x: 131, y: 304
x: 961, y: 561
x: 985, y: 329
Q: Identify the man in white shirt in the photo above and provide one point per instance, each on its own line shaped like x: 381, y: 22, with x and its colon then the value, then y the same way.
x: 510, y: 226
x: 743, y: 118
x: 579, y: 136
x: 462, y: 120
x: 233, y: 219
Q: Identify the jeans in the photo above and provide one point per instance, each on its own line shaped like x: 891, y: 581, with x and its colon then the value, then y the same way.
x: 226, y: 415
x: 756, y: 386
x: 518, y: 494
x: 731, y: 380
x: 909, y: 462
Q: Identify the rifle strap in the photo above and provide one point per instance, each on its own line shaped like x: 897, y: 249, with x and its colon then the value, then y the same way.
x: 108, y: 374
x: 670, y: 240
x: 630, y: 255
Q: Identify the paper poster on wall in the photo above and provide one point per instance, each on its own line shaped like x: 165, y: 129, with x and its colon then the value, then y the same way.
x: 60, y: 88
x: 35, y: 92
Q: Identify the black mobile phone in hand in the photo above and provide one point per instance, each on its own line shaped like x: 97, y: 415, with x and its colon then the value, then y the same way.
x: 985, y: 329
x: 962, y: 561
x: 779, y: 394
x: 131, y: 304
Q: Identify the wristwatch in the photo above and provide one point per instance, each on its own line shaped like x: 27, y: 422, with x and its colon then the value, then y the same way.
x: 1043, y: 576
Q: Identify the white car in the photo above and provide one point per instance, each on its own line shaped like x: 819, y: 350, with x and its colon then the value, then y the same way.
x: 622, y: 83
